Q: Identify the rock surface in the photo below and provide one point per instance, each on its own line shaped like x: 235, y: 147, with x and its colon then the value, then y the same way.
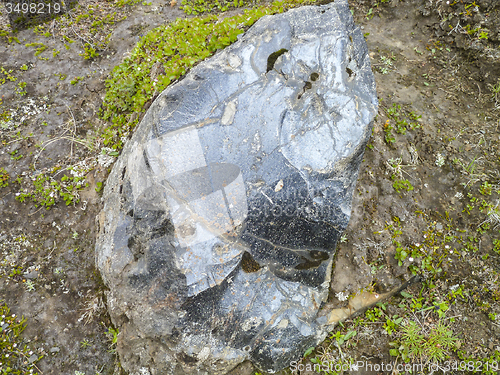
x: 222, y: 214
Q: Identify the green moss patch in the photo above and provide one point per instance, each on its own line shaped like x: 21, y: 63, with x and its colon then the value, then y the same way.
x: 203, y: 6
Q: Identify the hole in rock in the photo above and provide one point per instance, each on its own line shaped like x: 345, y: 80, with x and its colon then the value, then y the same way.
x: 314, y: 76
x: 271, y: 60
x: 316, y: 254
x: 187, y: 359
x: 308, y: 264
x: 349, y: 71
x: 146, y: 161
x: 248, y: 264
x: 247, y: 348
x: 307, y: 86
x: 316, y: 258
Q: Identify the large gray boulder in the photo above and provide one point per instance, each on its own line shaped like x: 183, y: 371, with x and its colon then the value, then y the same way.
x: 222, y: 214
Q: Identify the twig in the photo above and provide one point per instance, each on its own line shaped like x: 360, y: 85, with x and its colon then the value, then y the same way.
x: 74, y: 125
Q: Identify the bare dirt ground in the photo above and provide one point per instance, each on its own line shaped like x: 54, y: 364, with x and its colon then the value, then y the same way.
x: 426, y: 204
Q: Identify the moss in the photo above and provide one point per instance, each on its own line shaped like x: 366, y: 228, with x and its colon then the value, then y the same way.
x: 203, y: 6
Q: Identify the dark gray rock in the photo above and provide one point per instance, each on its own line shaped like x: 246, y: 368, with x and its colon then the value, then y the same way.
x: 223, y: 212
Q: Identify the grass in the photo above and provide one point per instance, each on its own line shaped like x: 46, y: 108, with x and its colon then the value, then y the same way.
x: 412, y: 341
x: 16, y: 357
x: 495, y: 93
x: 415, y: 343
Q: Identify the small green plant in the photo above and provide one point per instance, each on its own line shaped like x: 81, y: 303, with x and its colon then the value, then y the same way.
x: 404, y: 118
x: 401, y: 184
x: 389, y: 138
x: 308, y: 352
x: 374, y: 314
x: 386, y: 64
x: 16, y: 271
x: 415, y: 344
x: 4, y: 178
x: 391, y: 325
x: 495, y: 90
x: 30, y: 285
x: 7, y: 75
x: 16, y: 357
x: 440, y: 160
x: 40, y: 47
x: 61, y: 76
x: 21, y: 88
x: 85, y: 344
x: 46, y: 191
x: 89, y: 52
x: 9, y: 37
x: 410, y: 345
x: 15, y: 155
x: 486, y: 188
x: 483, y: 35
x: 99, y: 186
x: 75, y: 80
x: 112, y: 334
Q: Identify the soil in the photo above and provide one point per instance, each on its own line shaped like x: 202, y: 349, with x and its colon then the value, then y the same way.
x: 450, y: 159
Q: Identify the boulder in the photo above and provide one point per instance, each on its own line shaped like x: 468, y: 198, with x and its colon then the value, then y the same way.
x: 222, y: 214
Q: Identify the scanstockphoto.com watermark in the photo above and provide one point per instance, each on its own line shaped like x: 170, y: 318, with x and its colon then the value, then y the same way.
x: 413, y: 368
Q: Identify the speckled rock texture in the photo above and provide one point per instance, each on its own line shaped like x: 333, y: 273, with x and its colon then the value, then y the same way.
x: 222, y: 214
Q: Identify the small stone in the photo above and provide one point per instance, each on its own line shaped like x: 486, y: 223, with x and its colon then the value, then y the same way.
x: 31, y: 275
x: 55, y: 349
